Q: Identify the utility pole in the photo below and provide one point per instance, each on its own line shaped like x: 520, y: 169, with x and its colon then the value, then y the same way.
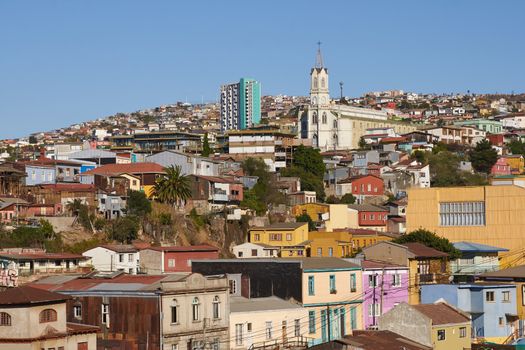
x: 381, y: 295
x: 328, y: 323
x: 374, y: 301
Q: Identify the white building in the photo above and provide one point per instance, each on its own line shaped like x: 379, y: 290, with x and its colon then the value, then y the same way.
x: 252, y: 250
x: 109, y: 258
x: 190, y: 164
x: 271, y: 321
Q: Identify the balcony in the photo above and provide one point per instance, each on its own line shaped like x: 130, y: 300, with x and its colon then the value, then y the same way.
x: 426, y: 278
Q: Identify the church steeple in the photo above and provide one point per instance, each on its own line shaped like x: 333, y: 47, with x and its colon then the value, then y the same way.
x: 319, y: 94
x: 319, y: 57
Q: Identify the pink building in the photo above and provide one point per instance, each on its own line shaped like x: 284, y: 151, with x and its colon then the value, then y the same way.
x: 384, y: 286
x: 159, y: 260
x: 501, y: 167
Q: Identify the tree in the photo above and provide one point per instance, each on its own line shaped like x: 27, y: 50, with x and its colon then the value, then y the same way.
x: 138, y: 204
x: 264, y: 194
x: 306, y: 218
x: 310, y: 160
x: 430, y: 239
x: 124, y: 229
x: 419, y: 156
x: 483, y: 157
x: 516, y: 146
x: 332, y: 200
x: 206, y: 149
x: 74, y: 206
x: 173, y: 188
x: 445, y: 172
x: 348, y: 198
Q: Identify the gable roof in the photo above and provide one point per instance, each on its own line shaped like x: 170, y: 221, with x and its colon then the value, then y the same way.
x: 281, y: 226
x: 441, y: 313
x: 191, y: 248
x: 517, y: 272
x: 380, y: 340
x: 26, y: 295
x: 422, y: 251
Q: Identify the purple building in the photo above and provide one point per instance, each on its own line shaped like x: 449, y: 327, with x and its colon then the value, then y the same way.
x: 382, y: 294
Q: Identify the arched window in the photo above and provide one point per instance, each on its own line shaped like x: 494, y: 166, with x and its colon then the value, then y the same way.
x: 195, y: 309
x: 48, y: 315
x: 5, y: 319
x: 174, y: 311
x: 335, y: 123
x: 216, y: 307
x: 324, y: 118
x: 315, y: 120
x: 323, y: 83
x: 315, y: 141
x: 314, y: 100
x: 315, y: 83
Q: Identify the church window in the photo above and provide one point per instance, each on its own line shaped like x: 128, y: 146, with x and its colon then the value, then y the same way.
x: 335, y: 123
x: 324, y: 118
x: 314, y: 100
x: 315, y: 120
x: 315, y: 83
x: 323, y: 83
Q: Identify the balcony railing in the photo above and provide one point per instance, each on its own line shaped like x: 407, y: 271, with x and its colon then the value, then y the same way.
x: 427, y: 278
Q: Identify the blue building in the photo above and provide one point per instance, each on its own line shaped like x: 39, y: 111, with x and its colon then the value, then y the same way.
x: 240, y: 105
x: 491, y: 305
x: 50, y: 171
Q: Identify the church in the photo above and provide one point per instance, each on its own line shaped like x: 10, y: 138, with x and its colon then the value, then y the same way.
x: 334, y: 125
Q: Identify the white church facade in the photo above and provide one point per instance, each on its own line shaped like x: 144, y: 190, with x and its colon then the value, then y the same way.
x: 337, y: 126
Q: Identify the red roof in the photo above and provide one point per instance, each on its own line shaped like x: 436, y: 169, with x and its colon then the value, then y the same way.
x: 132, y: 168
x: 442, y: 313
x: 79, y: 284
x: 28, y: 295
x: 393, y: 139
x: 41, y: 256
x: 422, y: 251
x: 217, y: 179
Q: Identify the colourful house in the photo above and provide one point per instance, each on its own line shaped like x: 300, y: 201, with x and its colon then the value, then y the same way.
x: 384, y: 286
x: 501, y: 167
x: 516, y: 163
x: 290, y: 237
x: 361, y: 187
x: 492, y: 306
x: 159, y: 260
x: 440, y: 325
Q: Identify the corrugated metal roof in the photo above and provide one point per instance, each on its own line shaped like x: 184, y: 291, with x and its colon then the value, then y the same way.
x: 242, y: 304
x: 477, y: 247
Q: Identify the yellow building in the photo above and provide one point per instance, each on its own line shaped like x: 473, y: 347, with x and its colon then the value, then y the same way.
x: 439, y: 325
x: 290, y: 237
x: 516, y: 163
x: 344, y: 243
x: 491, y: 215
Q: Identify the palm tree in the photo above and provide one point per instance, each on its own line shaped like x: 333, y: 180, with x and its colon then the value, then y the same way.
x: 173, y: 188
x: 74, y: 206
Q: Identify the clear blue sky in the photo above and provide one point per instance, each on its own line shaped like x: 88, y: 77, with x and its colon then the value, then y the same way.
x: 67, y: 61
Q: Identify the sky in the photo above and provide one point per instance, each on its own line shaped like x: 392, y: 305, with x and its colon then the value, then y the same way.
x: 63, y: 62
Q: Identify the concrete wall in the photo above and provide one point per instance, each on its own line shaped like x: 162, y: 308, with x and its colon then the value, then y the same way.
x: 406, y: 321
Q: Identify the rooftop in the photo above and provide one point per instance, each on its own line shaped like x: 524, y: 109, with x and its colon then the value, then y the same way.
x: 242, y: 304
x: 27, y: 295
x: 192, y: 248
x: 281, y: 226
x: 441, y: 313
x: 517, y: 272
x: 380, y: 340
x: 422, y: 251
x: 477, y: 247
x: 131, y: 168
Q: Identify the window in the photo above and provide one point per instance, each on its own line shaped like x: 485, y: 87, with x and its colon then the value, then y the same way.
x: 48, y: 315
x: 311, y: 322
x: 332, y: 284
x: 489, y: 296
x: 297, y: 328
x: 174, y: 346
x: 5, y: 319
x: 233, y: 286
x: 77, y: 311
x: 249, y: 327
x: 462, y: 213
x: 240, y: 254
x: 105, y: 314
x: 353, y: 283
x: 121, y: 258
x: 288, y: 236
x: 171, y: 262
x: 174, y: 311
x: 58, y: 262
x: 238, y: 334
x: 506, y: 297
x: 254, y: 252
x: 372, y: 281
x: 276, y: 237
x: 195, y: 309
x: 216, y: 307
x: 463, y: 332
x: 256, y: 237
x: 324, y: 119
x: 374, y: 310
x: 396, y: 280
x: 311, y: 285
x: 330, y: 251
x: 269, y: 330
x: 319, y: 251
x: 501, y: 323
x: 441, y: 334
x: 130, y: 257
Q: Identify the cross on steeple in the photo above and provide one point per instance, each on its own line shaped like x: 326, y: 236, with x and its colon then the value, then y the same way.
x: 319, y: 57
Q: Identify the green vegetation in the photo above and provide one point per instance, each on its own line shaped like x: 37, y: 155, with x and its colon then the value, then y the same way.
x: 309, y: 167
x: 138, y: 204
x: 306, y: 218
x: 483, y: 157
x: 348, y: 198
x: 264, y: 194
x: 197, y: 219
x: 174, y: 188
x: 124, y: 229
x: 206, y: 149
x: 430, y: 239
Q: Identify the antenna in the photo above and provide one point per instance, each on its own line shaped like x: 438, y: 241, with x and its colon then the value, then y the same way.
x: 341, y: 87
x: 319, y: 57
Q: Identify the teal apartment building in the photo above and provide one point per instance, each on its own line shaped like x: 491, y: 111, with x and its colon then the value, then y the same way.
x: 240, y: 104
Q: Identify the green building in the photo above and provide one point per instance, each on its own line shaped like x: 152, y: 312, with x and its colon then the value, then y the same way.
x: 240, y: 105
